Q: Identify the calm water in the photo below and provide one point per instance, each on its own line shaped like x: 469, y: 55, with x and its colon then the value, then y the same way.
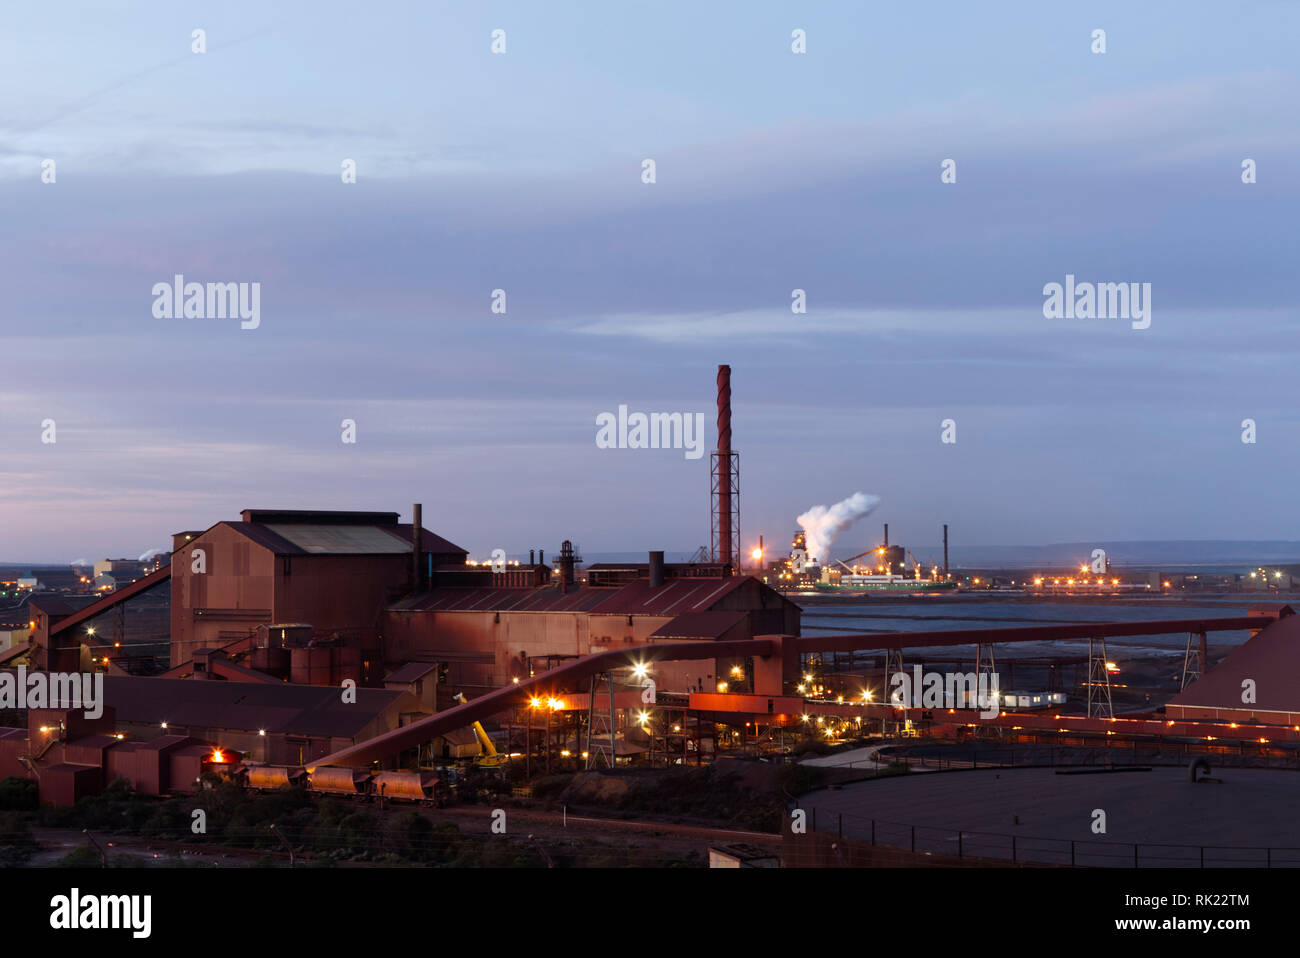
x: 821, y: 617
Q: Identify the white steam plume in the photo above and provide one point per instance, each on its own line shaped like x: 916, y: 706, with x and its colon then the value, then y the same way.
x: 821, y: 524
x: 150, y: 554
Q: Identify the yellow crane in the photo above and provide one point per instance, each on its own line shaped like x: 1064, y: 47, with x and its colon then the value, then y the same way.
x: 490, y: 758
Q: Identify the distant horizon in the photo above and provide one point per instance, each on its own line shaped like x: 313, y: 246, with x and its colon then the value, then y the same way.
x: 1122, y: 553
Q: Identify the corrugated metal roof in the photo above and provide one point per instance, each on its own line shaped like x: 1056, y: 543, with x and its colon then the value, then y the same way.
x: 263, y: 536
x: 410, y: 672
x: 331, y: 539
x: 700, y: 625
x: 675, y: 597
x: 58, y: 605
x: 341, y: 540
x: 429, y: 541
x: 279, y: 707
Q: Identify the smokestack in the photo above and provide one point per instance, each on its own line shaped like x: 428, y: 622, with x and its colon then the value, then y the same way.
x: 417, y: 560
x: 541, y: 557
x: 945, y: 548
x: 567, y: 562
x: 886, y: 536
x: 656, y: 569
x: 724, y: 466
x: 530, y: 557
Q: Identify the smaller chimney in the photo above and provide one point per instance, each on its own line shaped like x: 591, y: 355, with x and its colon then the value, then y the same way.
x: 417, y: 559
x: 541, y: 557
x: 945, y: 548
x: 567, y: 561
x: 531, y: 553
x: 656, y: 569
x: 886, y: 536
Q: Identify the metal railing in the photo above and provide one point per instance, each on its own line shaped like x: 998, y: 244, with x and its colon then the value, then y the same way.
x: 1037, y: 850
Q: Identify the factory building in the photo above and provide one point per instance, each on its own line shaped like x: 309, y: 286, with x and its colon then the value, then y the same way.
x: 273, y: 722
x: 489, y: 635
x: 159, y: 734
x: 336, y: 571
x: 270, y: 613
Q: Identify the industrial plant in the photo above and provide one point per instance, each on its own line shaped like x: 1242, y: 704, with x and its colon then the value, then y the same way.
x: 356, y: 655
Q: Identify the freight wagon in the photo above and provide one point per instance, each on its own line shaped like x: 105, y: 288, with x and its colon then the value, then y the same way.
x: 425, y: 788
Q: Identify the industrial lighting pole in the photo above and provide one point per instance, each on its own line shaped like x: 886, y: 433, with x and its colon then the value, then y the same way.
x: 103, y: 856
x: 286, y: 843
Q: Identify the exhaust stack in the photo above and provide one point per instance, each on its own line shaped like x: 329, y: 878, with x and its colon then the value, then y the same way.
x: 568, y: 559
x: 725, y: 498
x: 656, y: 569
x: 417, y: 559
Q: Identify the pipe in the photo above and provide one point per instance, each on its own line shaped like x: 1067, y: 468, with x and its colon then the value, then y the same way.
x: 945, y: 548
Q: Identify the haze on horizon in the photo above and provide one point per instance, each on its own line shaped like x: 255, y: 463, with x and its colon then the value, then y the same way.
x: 522, y: 172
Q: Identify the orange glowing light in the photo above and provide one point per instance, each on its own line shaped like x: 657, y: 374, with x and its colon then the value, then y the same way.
x: 217, y: 755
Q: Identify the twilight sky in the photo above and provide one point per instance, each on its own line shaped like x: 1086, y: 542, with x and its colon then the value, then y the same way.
x: 522, y: 171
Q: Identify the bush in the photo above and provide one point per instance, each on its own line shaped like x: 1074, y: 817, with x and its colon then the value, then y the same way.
x: 16, y: 843
x: 83, y: 856
x: 19, y: 795
x: 795, y: 779
x: 550, y: 786
x: 812, y: 746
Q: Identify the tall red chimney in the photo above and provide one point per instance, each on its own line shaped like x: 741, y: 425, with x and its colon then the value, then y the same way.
x: 724, y: 463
